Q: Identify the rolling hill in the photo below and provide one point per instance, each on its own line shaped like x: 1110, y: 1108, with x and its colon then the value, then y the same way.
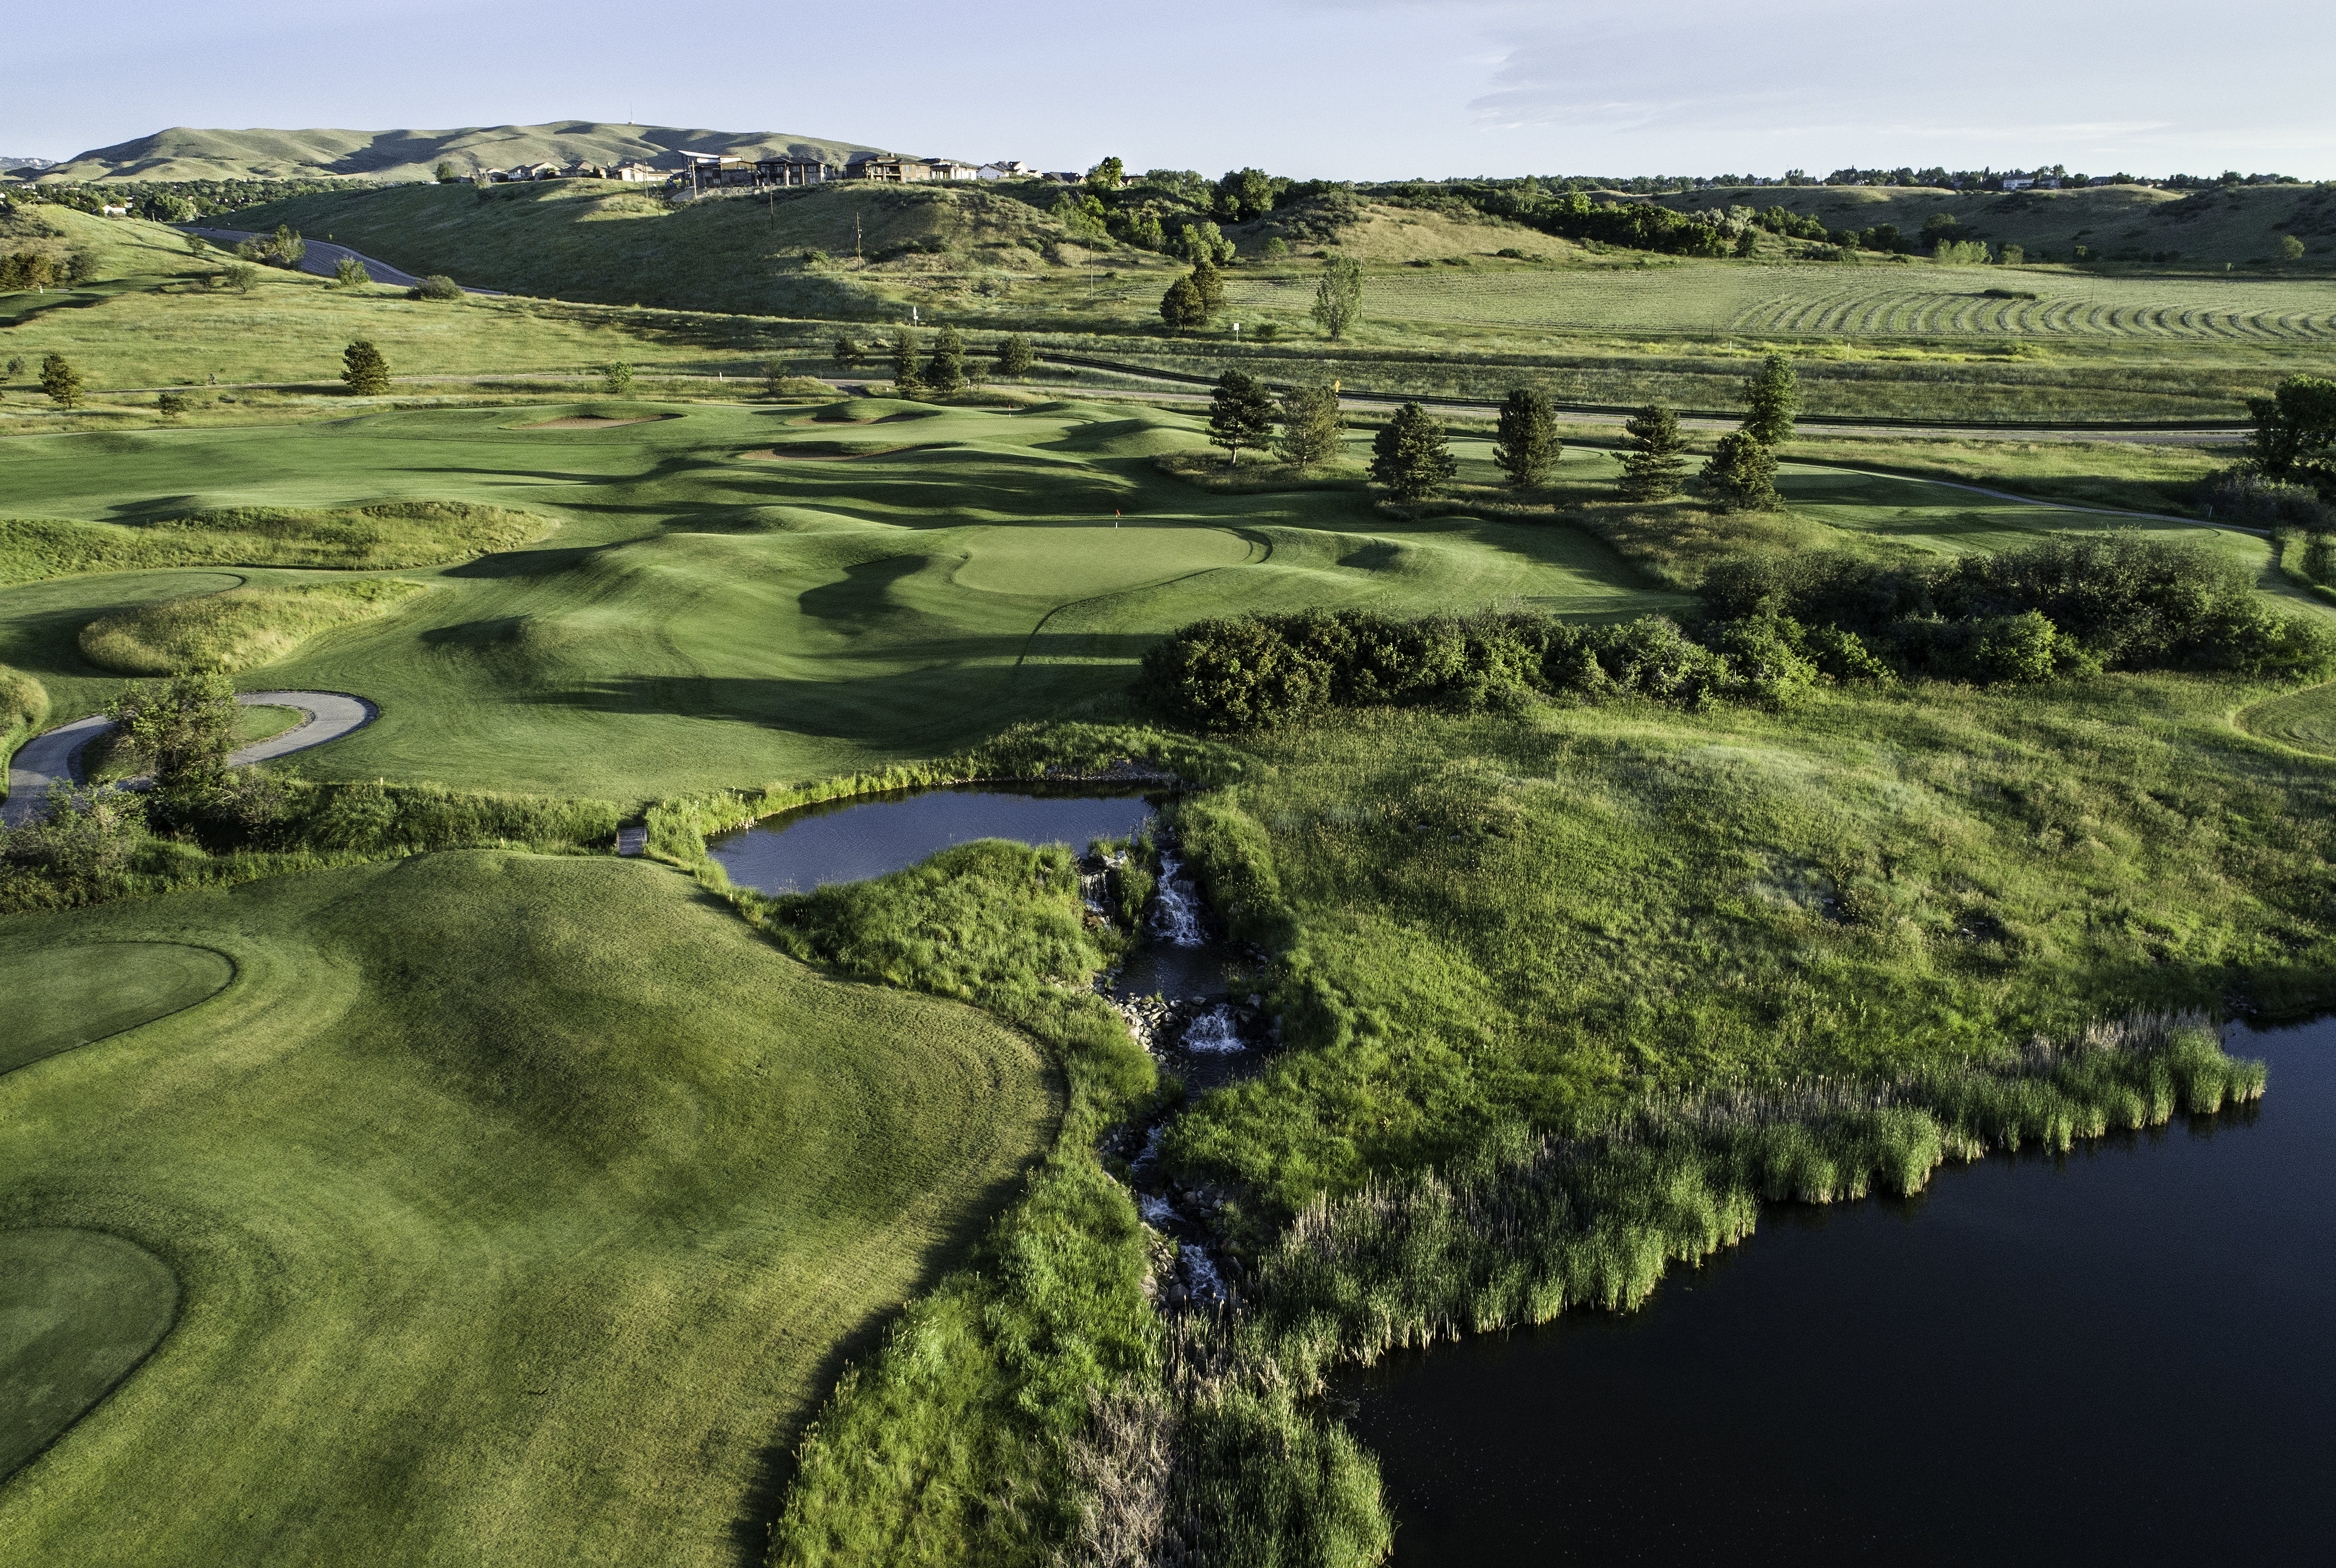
x: 2237, y: 225
x: 183, y: 152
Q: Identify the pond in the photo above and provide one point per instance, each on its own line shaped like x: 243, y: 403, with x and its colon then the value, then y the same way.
x: 2122, y: 1353
x: 847, y: 840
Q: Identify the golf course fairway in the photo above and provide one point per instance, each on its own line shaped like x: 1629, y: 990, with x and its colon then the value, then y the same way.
x: 519, y: 1209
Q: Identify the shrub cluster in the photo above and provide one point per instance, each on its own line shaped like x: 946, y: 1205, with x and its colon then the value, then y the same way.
x: 1233, y: 674
x: 2066, y: 605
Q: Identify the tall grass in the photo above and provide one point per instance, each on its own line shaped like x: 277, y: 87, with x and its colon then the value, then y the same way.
x: 356, y: 539
x: 234, y: 630
x: 23, y: 707
x: 1531, y: 1224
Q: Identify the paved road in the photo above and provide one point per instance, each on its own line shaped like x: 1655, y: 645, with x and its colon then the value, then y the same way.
x: 323, y: 257
x: 54, y: 756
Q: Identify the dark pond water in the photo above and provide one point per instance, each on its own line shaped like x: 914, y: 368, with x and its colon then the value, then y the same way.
x: 2124, y: 1354
x: 869, y: 835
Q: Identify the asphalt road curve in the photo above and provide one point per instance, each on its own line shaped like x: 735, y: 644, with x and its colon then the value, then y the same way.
x: 322, y: 256
x: 53, y: 756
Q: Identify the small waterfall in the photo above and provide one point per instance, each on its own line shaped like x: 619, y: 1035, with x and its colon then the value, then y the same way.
x: 1177, y: 907
x: 1214, y: 1033
x: 1201, y: 1275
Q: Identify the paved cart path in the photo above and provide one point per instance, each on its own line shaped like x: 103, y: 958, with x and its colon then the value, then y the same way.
x: 54, y: 756
x: 323, y: 257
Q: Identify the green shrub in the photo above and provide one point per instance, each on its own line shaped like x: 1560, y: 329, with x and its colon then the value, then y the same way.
x: 437, y: 288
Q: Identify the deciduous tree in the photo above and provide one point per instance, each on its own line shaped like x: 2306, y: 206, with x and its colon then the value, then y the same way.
x: 348, y: 272
x: 2290, y: 248
x: 1410, y: 456
x: 1525, y: 443
x: 1772, y: 396
x: 1312, y: 425
x: 2295, y: 430
x: 849, y: 354
x: 1239, y: 414
x: 1182, y: 307
x: 286, y: 246
x: 617, y: 378
x: 1338, y: 297
x: 1103, y: 180
x: 1212, y: 285
x: 364, y: 368
x: 181, y: 731
x: 1653, y: 468
x: 61, y: 381
x: 1201, y: 243
x: 1243, y: 194
x: 1742, y: 474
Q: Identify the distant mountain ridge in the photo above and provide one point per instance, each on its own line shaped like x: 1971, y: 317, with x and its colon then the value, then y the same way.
x: 183, y: 152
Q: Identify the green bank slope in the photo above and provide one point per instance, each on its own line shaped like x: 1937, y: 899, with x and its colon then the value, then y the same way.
x: 519, y: 1210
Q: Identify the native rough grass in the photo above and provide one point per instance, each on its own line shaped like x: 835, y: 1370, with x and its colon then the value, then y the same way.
x: 234, y: 630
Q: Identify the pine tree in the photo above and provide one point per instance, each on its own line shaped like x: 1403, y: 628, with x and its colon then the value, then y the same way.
x: 61, y: 381
x: 1652, y: 466
x: 1310, y: 426
x: 1771, y: 399
x: 1210, y: 282
x: 364, y: 369
x: 1015, y: 360
x: 905, y: 379
x: 849, y: 354
x: 1742, y: 474
x: 945, y: 372
x: 1338, y: 298
x: 1410, y: 455
x: 1240, y: 414
x: 1181, y: 308
x: 1526, y: 446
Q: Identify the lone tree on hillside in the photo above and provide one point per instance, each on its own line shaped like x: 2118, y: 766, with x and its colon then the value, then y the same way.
x: 1239, y: 414
x: 1182, y: 307
x: 1310, y: 426
x: 617, y: 378
x: 1742, y: 474
x: 905, y: 378
x: 288, y: 246
x: 1652, y: 466
x: 1410, y: 455
x: 1771, y: 397
x: 181, y: 731
x: 774, y: 378
x: 849, y: 354
x: 2290, y: 248
x: 348, y: 272
x: 1338, y: 297
x: 1525, y: 443
x: 61, y: 381
x: 945, y: 372
x: 1015, y: 360
x: 364, y: 369
x: 446, y: 173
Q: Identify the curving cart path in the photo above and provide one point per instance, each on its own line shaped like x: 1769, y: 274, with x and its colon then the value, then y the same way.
x: 54, y: 756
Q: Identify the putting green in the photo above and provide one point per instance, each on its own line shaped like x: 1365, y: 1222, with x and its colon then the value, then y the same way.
x: 61, y: 998
x: 521, y: 1206
x: 78, y: 1310
x: 1075, y: 563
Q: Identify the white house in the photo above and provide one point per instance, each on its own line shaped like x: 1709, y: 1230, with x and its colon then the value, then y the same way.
x: 1006, y: 168
x: 117, y: 212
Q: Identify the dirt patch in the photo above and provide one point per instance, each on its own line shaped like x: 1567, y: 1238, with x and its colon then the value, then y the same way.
x: 810, y: 454
x: 592, y: 422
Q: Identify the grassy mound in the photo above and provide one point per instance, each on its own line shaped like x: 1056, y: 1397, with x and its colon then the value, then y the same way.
x: 23, y: 706
x: 353, y: 538
x: 78, y: 1310
x: 234, y: 630
x: 516, y: 1200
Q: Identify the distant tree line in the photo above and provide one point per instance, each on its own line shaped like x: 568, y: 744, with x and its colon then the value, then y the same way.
x: 180, y: 200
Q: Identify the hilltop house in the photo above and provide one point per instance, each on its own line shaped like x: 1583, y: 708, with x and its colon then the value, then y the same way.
x: 1006, y: 168
x: 908, y: 170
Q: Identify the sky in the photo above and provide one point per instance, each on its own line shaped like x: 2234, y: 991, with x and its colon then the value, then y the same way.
x: 1329, y: 89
